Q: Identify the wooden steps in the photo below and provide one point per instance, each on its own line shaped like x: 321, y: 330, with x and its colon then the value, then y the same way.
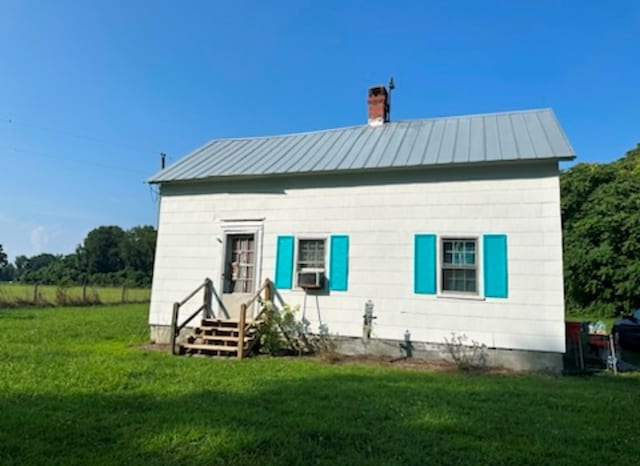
x: 222, y: 338
x: 226, y: 322
x: 205, y: 348
x: 218, y: 338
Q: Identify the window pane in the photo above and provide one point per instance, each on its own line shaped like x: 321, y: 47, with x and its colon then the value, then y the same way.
x: 463, y: 280
x: 448, y: 251
x: 459, y: 252
x: 471, y: 281
x: 311, y: 253
x: 469, y: 258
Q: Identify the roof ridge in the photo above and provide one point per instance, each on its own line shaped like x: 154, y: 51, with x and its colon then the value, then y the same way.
x: 411, y: 120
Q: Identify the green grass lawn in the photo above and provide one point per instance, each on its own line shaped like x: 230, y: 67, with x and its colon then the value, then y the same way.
x: 13, y: 294
x: 74, y: 389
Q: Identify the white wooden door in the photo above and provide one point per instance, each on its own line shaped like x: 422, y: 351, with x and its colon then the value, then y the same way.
x: 239, y: 274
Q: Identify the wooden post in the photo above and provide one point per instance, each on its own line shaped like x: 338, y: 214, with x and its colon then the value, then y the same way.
x: 268, y: 296
x: 174, y: 322
x: 241, y: 324
x: 84, y: 293
x: 613, y: 356
x: 124, y: 290
x: 208, y: 310
x: 35, y: 293
x: 267, y: 290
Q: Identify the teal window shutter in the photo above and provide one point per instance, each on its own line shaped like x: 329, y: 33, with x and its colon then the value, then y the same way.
x: 424, y: 269
x: 284, y: 262
x: 339, y: 263
x: 495, y: 266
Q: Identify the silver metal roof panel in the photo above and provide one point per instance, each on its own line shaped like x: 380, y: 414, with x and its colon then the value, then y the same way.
x: 497, y: 137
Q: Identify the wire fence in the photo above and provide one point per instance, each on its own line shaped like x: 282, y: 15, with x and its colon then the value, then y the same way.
x: 23, y: 295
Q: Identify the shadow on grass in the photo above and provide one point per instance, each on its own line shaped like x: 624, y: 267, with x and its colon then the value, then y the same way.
x: 13, y: 315
x: 391, y: 418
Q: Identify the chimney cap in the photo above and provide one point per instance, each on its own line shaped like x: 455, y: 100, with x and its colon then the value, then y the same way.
x: 375, y: 91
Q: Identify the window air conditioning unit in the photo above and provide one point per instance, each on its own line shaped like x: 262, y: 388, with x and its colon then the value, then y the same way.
x: 311, y: 279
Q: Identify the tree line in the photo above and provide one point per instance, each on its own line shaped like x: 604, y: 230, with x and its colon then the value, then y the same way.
x: 601, y: 230
x: 108, y: 256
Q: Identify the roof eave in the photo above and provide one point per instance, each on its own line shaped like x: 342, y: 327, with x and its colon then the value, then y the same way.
x: 253, y: 176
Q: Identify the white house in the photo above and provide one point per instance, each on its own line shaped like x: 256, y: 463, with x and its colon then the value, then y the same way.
x: 444, y: 225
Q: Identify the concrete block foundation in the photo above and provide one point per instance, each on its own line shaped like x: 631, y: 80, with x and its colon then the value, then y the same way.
x: 518, y: 360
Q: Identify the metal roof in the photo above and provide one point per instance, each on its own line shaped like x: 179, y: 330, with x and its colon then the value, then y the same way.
x: 496, y: 137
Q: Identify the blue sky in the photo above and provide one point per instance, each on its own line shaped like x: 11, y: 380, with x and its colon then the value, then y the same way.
x: 92, y: 92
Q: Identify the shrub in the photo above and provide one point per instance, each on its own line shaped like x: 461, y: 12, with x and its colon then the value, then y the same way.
x: 466, y: 357
x: 280, y: 332
x: 279, y: 329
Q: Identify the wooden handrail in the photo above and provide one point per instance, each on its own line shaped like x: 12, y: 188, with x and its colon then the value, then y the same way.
x: 268, y: 290
x: 207, y: 285
x: 193, y: 293
x: 174, y: 321
x: 190, y: 318
x: 210, y: 291
x: 241, y: 330
x: 265, y: 285
x: 242, y: 324
x: 277, y: 295
x: 221, y: 305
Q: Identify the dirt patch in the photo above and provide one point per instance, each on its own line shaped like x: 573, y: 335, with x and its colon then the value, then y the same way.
x: 154, y: 347
x: 403, y: 363
x: 410, y: 364
x: 340, y: 359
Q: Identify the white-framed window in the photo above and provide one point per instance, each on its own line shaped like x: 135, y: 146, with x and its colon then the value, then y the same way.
x: 311, y: 254
x: 459, y: 265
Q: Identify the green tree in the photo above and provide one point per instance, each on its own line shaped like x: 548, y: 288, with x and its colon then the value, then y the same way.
x: 601, y: 227
x: 138, y: 248
x: 7, y: 270
x: 21, y: 264
x: 138, y: 251
x: 108, y: 255
x: 39, y: 268
x: 7, y: 273
x: 102, y: 250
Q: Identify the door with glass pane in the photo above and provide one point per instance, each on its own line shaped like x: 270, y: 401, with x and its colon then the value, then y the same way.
x: 239, y: 275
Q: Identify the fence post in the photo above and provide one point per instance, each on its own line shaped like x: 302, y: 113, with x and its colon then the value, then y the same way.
x: 124, y: 290
x: 174, y: 322
x: 35, y: 293
x: 84, y: 293
x: 241, y: 323
x: 208, y: 310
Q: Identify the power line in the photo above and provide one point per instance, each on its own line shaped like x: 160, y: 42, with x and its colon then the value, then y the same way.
x: 154, y: 193
x: 68, y: 159
x: 127, y: 146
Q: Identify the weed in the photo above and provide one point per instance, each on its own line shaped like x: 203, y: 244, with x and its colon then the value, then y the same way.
x: 466, y: 356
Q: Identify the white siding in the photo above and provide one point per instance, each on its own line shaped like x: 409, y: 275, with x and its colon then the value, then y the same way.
x: 381, y: 213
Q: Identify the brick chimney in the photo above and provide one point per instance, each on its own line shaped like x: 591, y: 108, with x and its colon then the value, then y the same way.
x: 378, y: 101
